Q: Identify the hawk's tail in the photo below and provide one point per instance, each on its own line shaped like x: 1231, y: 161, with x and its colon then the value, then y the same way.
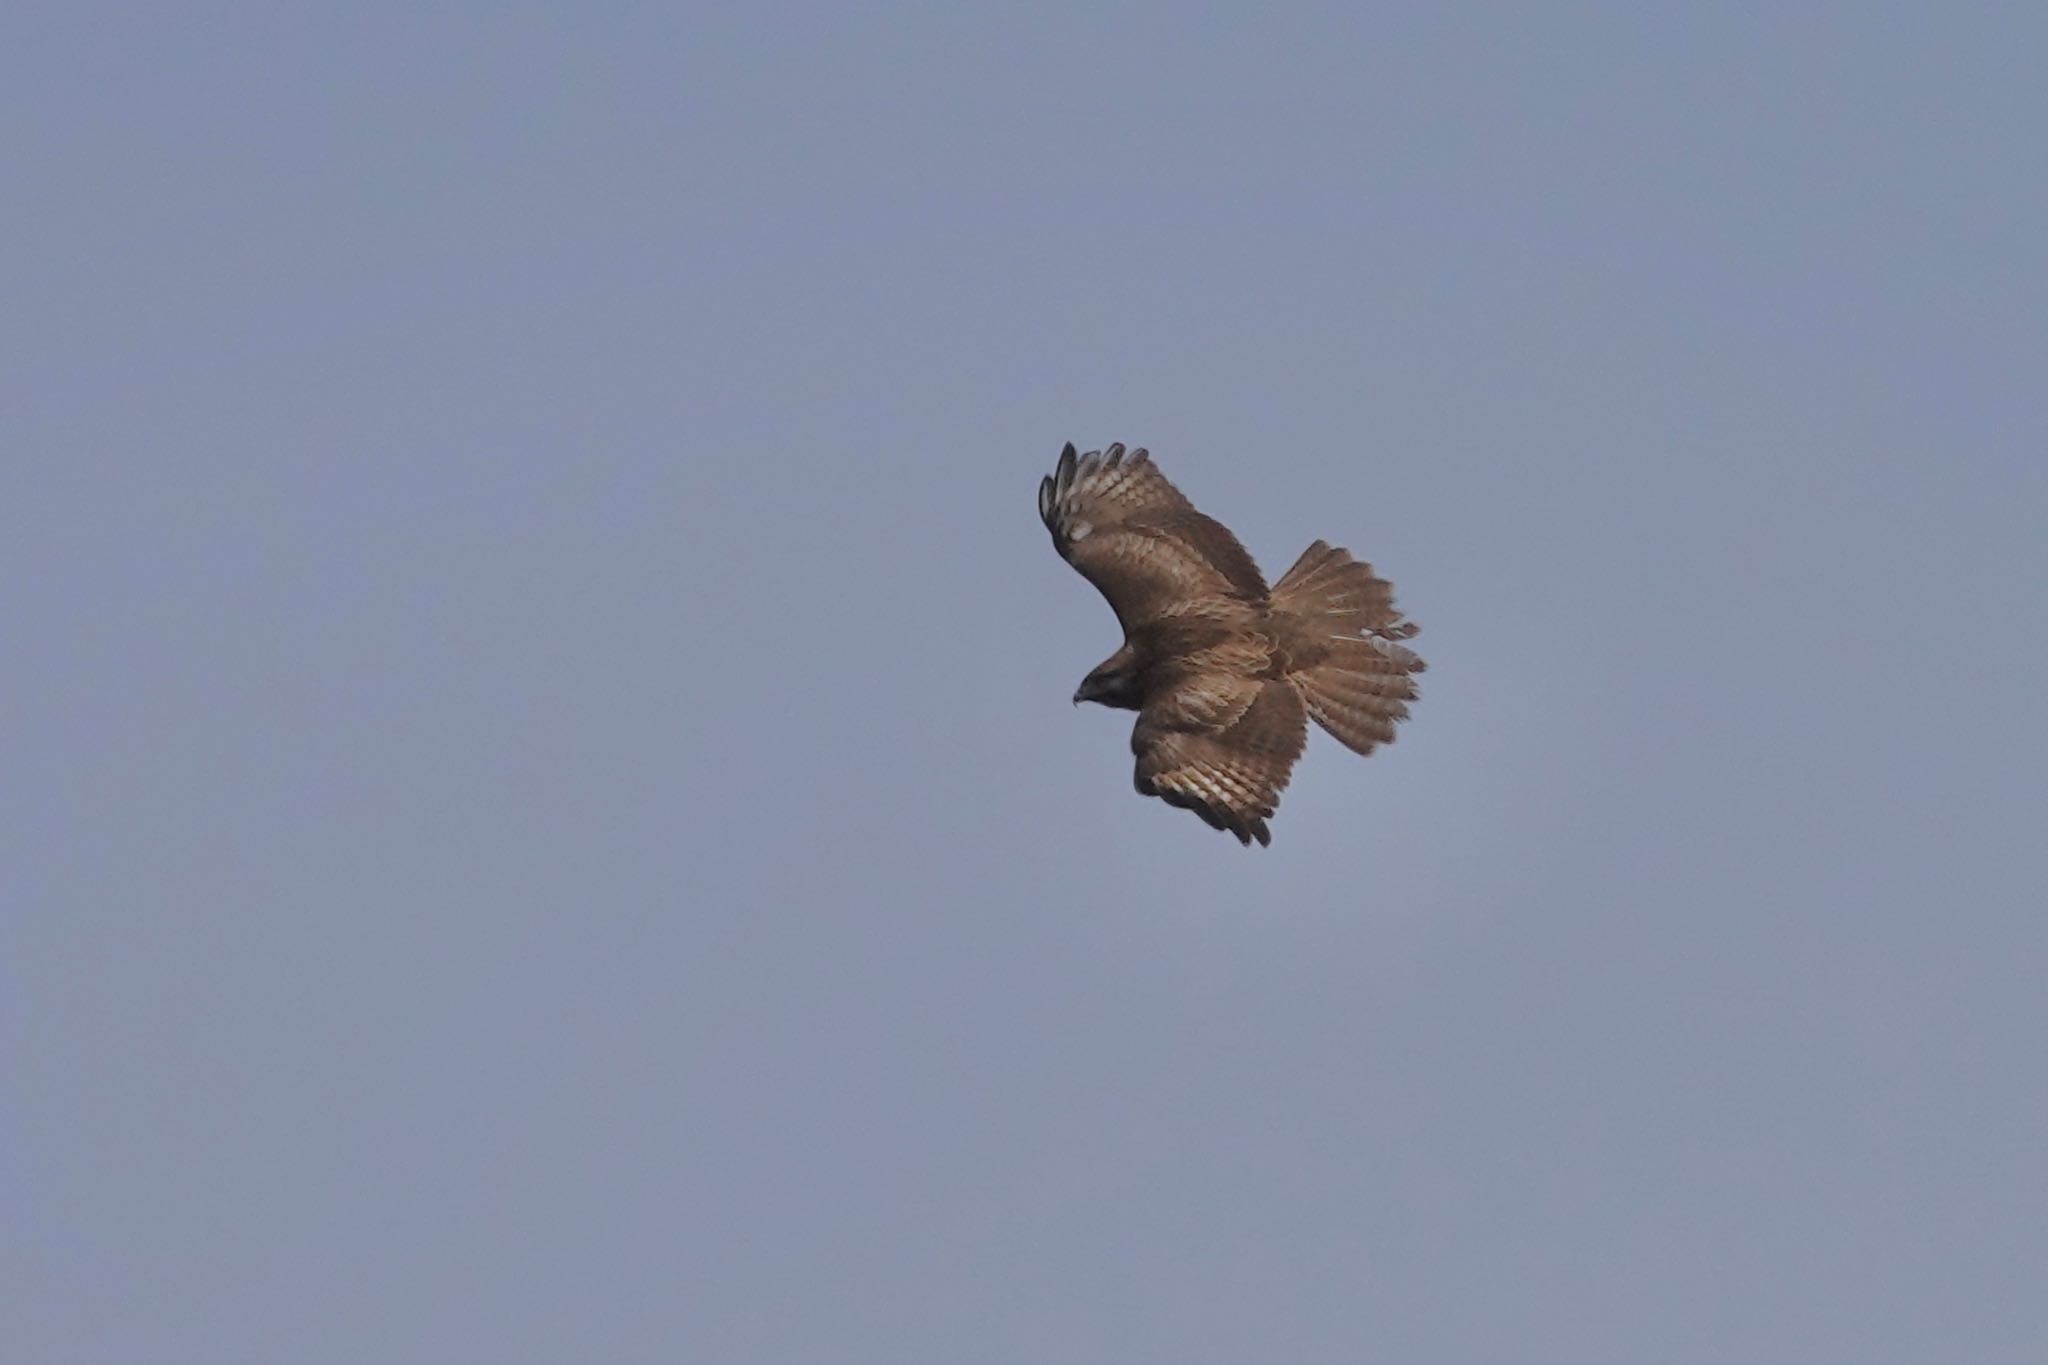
x: 1364, y: 684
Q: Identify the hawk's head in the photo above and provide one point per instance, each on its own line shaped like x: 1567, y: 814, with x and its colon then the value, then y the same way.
x: 1113, y: 682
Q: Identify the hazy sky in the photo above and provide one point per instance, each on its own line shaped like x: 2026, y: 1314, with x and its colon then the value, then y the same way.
x: 542, y: 820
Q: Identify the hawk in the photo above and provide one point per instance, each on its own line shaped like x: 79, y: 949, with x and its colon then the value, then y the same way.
x: 1223, y: 671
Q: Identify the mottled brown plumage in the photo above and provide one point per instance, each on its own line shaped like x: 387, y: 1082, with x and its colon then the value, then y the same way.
x: 1223, y: 672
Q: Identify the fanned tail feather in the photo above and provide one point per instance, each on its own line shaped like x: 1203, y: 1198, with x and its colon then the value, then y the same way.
x: 1360, y: 709
x: 1361, y: 687
x: 1327, y: 585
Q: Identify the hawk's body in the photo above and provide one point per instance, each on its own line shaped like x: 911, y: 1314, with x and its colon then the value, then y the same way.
x: 1223, y: 671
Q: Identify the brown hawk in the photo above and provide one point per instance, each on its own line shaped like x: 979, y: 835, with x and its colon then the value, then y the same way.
x: 1222, y: 670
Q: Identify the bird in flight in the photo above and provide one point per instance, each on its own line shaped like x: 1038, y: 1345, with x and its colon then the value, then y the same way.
x: 1222, y: 670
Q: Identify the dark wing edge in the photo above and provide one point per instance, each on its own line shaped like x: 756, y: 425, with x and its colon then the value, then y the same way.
x: 1111, y: 483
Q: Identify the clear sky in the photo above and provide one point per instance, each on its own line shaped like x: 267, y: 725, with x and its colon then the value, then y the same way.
x: 542, y: 820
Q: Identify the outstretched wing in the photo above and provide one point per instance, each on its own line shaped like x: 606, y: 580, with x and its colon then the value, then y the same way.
x: 1222, y: 746
x: 1114, y: 517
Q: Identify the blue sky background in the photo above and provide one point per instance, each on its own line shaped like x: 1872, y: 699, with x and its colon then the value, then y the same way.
x: 542, y: 819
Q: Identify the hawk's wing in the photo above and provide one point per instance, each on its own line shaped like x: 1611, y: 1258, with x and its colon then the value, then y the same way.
x: 1221, y: 745
x: 1114, y: 517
